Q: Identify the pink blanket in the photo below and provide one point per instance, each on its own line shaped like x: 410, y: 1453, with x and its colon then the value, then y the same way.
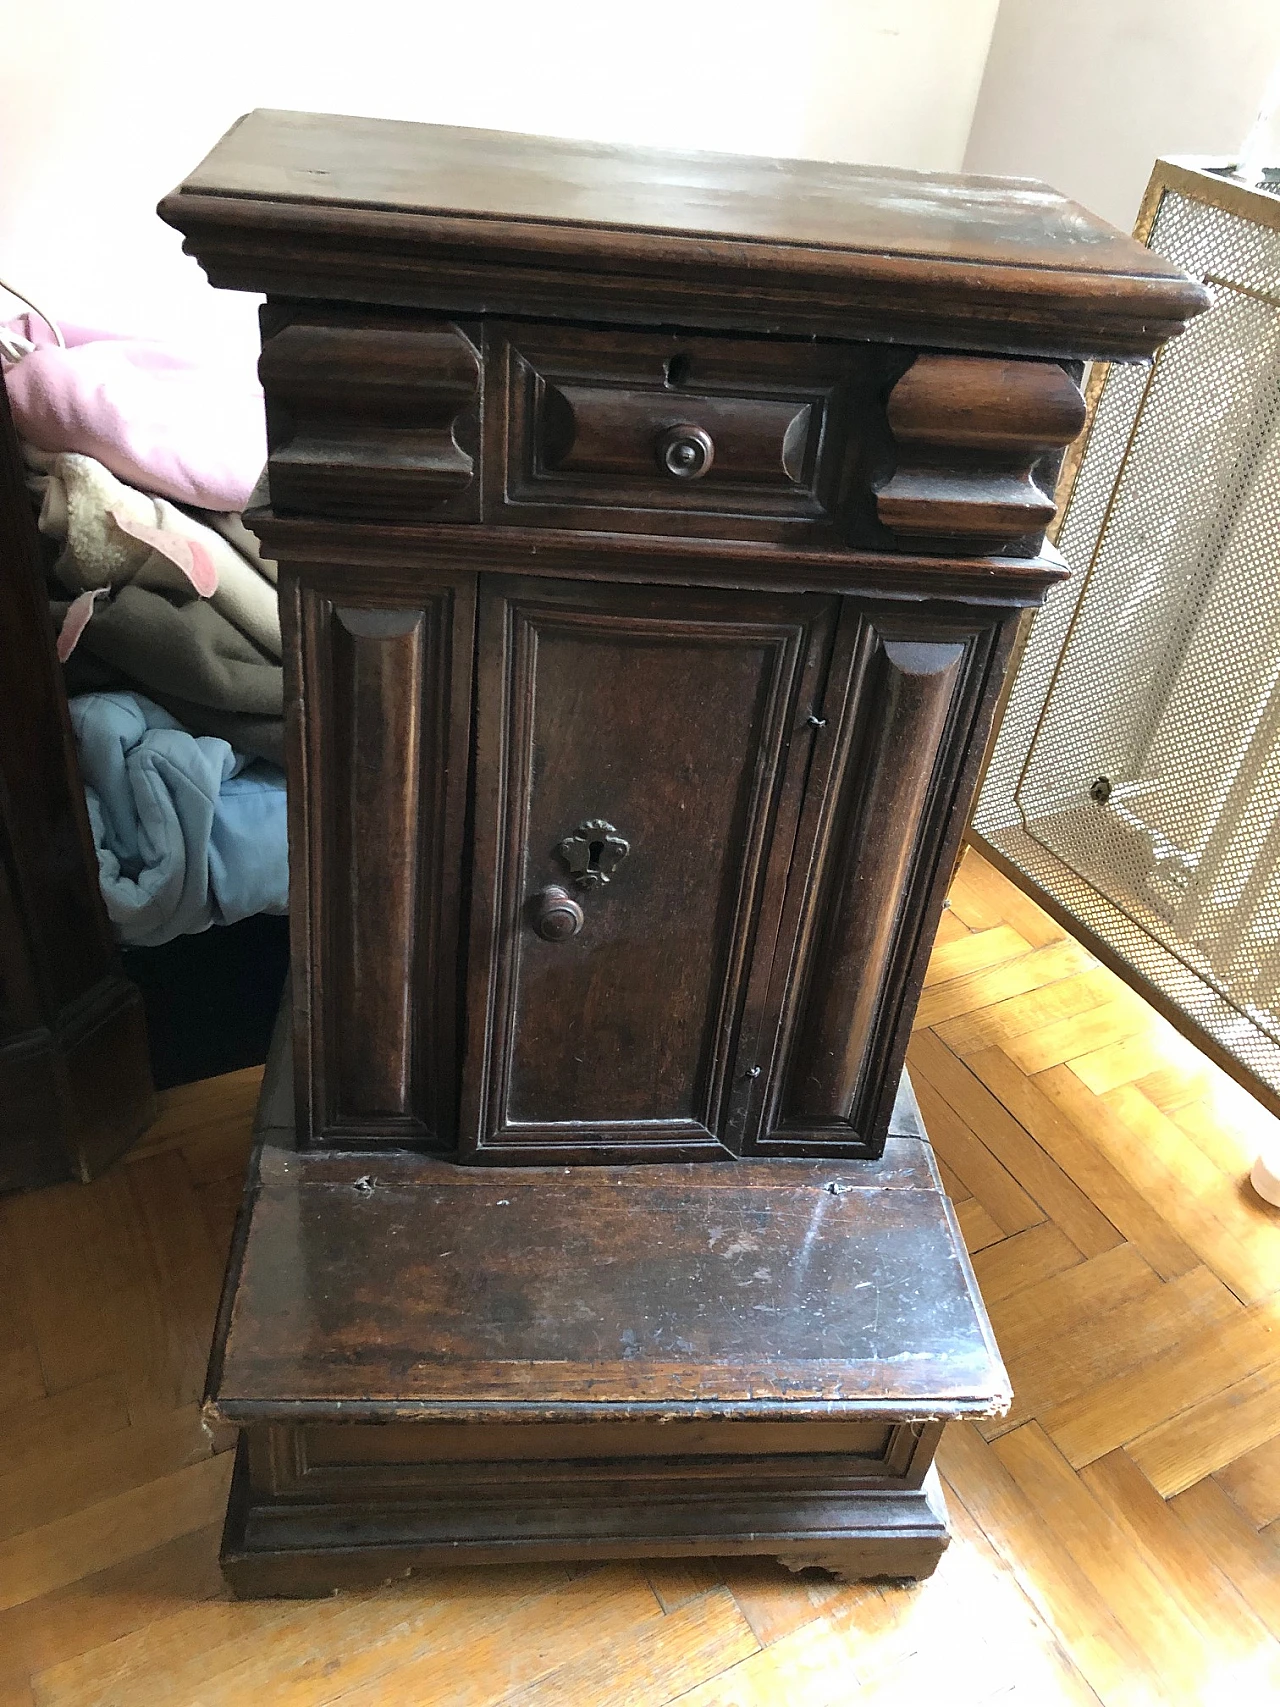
x: 178, y: 423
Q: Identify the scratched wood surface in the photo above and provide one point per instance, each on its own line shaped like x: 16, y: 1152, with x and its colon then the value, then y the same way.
x: 1117, y: 1536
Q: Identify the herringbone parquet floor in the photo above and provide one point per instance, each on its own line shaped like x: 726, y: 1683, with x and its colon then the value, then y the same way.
x: 1117, y: 1535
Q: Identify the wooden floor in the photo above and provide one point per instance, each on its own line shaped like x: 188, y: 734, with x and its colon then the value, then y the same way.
x: 1117, y: 1535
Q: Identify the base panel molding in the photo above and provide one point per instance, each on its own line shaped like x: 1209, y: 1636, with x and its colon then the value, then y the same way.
x: 435, y: 1364
x: 309, y: 1551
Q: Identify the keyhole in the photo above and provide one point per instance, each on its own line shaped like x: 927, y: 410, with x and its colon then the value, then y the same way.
x: 593, y: 858
x: 676, y: 370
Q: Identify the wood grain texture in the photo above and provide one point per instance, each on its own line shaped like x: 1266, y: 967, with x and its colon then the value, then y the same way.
x: 371, y: 418
x: 1253, y: 1482
x: 340, y: 766
x: 1090, y: 1535
x: 377, y: 665
x: 1211, y: 1433
x: 912, y: 691
x: 1127, y: 1323
x: 903, y: 716
x: 388, y: 559
x: 1010, y: 1613
x: 978, y: 444
x: 794, y: 433
x: 601, y: 704
x: 1007, y: 1136
x: 1246, y: 1558
x: 1158, y: 1174
x: 381, y: 734
x: 735, y: 1381
x: 408, y: 1333
x: 1229, y: 1630
x: 627, y: 234
x: 798, y: 779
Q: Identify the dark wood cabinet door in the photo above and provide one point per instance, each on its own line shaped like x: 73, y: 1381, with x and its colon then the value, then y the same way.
x: 907, y: 706
x: 639, y: 764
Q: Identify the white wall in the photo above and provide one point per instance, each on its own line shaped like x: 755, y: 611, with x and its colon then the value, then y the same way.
x: 103, y: 108
x: 1087, y: 94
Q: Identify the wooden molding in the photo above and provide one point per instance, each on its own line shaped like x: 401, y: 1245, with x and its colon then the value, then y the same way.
x: 377, y: 847
x: 364, y: 210
x: 898, y: 705
x: 578, y: 424
x: 970, y: 432
x: 372, y: 421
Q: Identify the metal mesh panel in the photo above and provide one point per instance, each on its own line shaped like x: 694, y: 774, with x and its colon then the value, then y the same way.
x: 1136, y: 776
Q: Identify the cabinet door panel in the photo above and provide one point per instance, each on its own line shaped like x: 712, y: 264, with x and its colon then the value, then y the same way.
x: 668, y: 721
x: 907, y: 705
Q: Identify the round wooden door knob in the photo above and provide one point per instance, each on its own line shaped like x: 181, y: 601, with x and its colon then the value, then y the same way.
x: 686, y: 452
x: 557, y: 916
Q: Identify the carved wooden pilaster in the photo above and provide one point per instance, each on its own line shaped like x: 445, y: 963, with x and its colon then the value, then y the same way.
x: 372, y: 421
x: 376, y: 847
x: 902, y: 693
x: 377, y: 686
x: 914, y: 687
x: 970, y: 432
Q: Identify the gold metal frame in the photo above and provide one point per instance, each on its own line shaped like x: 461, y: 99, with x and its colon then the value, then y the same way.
x: 1202, y: 178
x: 1206, y: 179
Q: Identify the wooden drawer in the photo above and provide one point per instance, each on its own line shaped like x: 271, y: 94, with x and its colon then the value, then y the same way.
x: 664, y: 433
x: 409, y: 419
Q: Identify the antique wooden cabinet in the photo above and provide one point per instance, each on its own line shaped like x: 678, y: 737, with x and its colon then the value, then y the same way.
x: 653, y: 532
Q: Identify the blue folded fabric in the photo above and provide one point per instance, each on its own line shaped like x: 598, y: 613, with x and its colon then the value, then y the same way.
x: 189, y: 833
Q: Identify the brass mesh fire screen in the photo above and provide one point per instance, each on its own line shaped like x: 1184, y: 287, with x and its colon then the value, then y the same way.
x: 1134, y: 786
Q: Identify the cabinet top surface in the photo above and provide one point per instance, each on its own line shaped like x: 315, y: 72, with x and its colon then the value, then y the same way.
x: 499, y: 175
x: 609, y: 207
x: 397, y: 1284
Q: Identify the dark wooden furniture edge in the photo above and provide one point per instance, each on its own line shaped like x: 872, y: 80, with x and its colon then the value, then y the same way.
x: 888, y: 1537
x: 75, y: 1077
x: 873, y: 287
x: 1016, y: 581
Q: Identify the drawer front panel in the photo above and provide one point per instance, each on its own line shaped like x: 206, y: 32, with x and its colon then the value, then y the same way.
x: 653, y: 432
x: 634, y: 763
x: 412, y: 419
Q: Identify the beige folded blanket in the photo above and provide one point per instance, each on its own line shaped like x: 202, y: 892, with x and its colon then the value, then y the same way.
x: 113, y: 536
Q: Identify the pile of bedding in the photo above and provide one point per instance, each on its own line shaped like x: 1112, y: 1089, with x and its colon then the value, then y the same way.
x: 189, y: 832
x: 141, y: 458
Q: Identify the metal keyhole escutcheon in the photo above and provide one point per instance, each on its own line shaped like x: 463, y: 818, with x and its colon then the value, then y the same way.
x: 593, y: 853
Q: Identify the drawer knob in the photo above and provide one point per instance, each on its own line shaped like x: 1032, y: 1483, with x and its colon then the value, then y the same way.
x: 686, y: 452
x: 556, y: 915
